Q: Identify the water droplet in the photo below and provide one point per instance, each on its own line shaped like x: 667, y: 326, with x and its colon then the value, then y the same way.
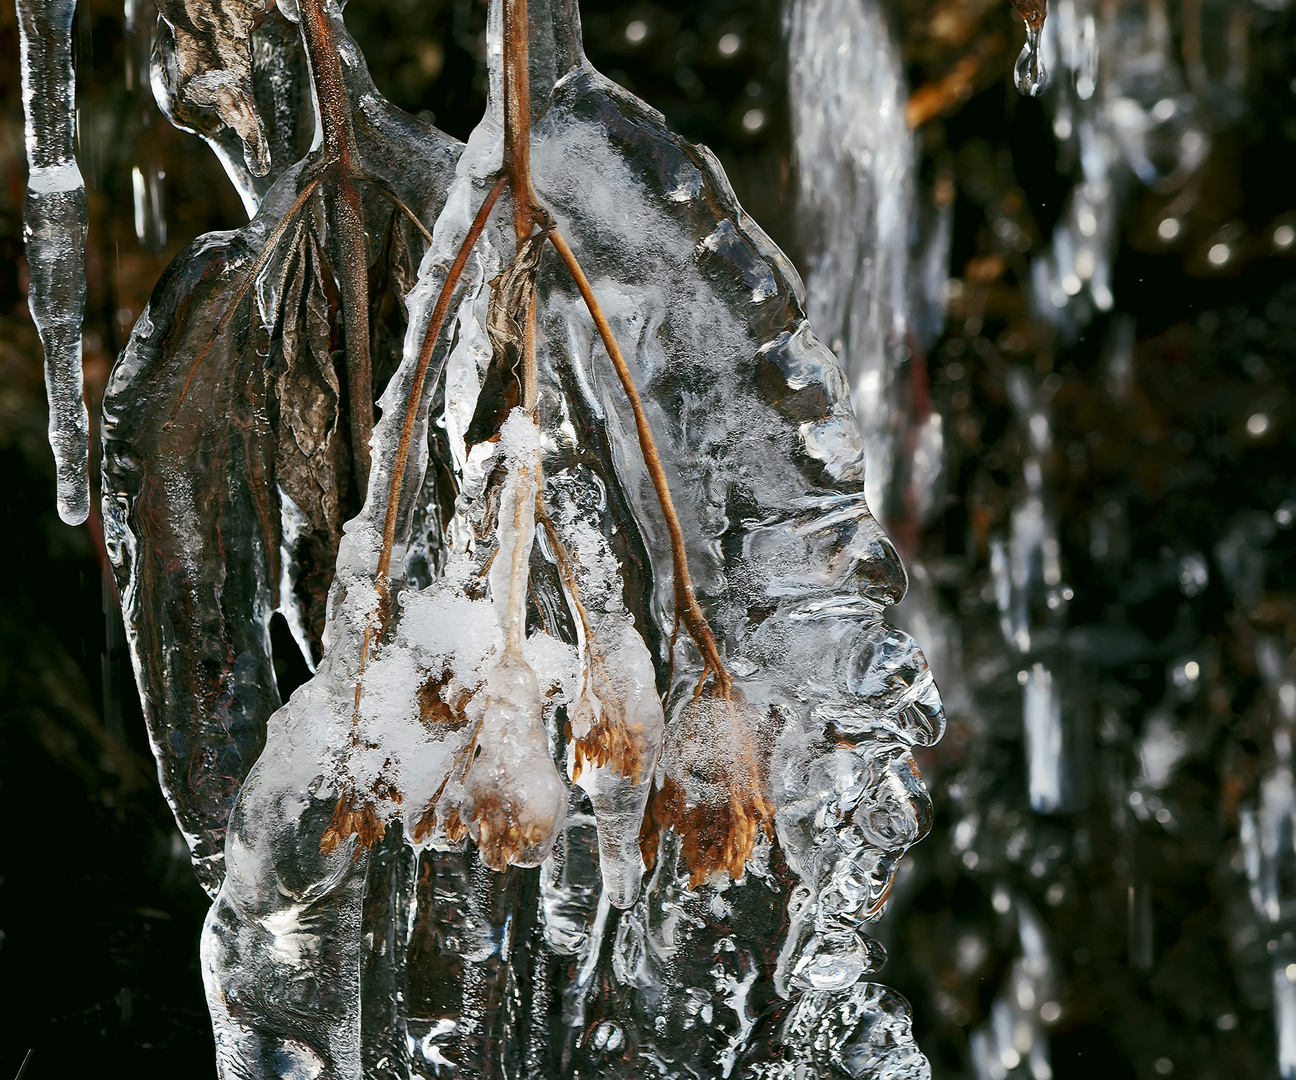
x: 1029, y: 73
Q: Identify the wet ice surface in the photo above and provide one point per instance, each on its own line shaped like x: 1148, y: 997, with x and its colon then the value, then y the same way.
x: 854, y: 154
x: 763, y: 976
x: 54, y: 226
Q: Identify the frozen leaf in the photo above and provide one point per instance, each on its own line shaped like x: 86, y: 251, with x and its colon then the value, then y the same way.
x: 212, y: 55
x: 281, y: 100
x: 230, y: 446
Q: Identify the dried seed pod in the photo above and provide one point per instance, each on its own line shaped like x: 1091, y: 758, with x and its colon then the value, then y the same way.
x: 357, y: 815
x: 517, y: 801
x: 713, y: 792
x: 614, y: 724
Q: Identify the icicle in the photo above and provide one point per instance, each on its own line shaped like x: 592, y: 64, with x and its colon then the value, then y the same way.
x: 618, y: 725
x: 55, y: 225
x: 1042, y: 718
x: 1029, y: 73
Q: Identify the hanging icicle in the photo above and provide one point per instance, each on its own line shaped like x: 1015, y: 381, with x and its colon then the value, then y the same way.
x: 55, y: 223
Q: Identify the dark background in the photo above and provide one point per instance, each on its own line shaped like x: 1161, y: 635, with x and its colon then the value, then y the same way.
x: 99, y: 914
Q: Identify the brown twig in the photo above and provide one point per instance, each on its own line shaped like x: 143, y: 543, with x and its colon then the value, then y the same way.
x: 935, y: 98
x: 527, y: 213
x: 685, y: 598
x: 346, y: 220
x: 386, y: 192
x: 517, y: 116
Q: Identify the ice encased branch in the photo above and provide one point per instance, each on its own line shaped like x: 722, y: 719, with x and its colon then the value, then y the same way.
x: 54, y: 225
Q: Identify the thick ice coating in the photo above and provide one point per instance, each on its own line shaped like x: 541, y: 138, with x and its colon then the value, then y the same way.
x: 517, y: 645
x: 228, y: 469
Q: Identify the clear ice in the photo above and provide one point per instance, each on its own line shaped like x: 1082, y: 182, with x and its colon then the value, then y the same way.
x: 853, y: 154
x: 1137, y: 125
x: 1029, y: 72
x: 54, y: 226
x: 503, y: 920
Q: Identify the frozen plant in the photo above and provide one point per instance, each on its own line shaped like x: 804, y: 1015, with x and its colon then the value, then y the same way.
x: 603, y: 495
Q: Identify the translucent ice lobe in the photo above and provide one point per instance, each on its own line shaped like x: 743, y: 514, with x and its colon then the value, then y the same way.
x: 55, y: 222
x: 517, y: 799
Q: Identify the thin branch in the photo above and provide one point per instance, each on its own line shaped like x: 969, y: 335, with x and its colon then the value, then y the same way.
x: 685, y: 597
x: 566, y: 571
x: 517, y: 116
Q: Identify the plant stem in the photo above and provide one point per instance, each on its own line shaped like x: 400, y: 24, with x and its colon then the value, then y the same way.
x: 346, y: 224
x: 516, y: 173
x: 685, y: 597
x: 517, y: 116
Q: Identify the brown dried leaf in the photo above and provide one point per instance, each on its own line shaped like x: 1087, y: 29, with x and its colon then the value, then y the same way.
x: 213, y: 58
x: 511, y: 297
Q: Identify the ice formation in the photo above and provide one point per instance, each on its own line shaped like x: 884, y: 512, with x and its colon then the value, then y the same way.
x: 1122, y: 109
x: 407, y: 882
x: 206, y: 554
x: 1029, y: 72
x: 54, y: 226
x: 853, y: 154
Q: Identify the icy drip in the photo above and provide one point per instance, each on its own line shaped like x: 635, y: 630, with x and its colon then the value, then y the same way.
x: 617, y: 722
x: 1125, y: 120
x: 853, y: 154
x: 1029, y: 73
x: 55, y: 222
x: 1268, y: 843
x: 147, y: 174
x: 1013, y: 1041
